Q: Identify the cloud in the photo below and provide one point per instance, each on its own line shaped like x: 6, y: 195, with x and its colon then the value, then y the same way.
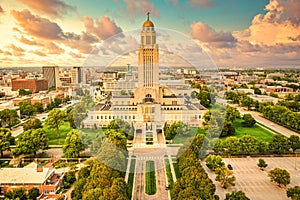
x: 75, y: 55
x: 53, y: 48
x: 37, y: 26
x: 102, y: 28
x: 1, y: 10
x: 202, y: 3
x: 27, y: 41
x: 39, y: 53
x: 280, y: 24
x: 52, y: 8
x: 204, y: 33
x: 141, y: 7
x: 17, y: 51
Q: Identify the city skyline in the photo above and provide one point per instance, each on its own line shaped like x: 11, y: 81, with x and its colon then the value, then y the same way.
x: 234, y: 33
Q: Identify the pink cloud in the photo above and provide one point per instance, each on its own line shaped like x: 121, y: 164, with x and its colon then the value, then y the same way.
x: 52, y: 8
x: 27, y: 41
x: 53, y: 48
x: 279, y: 25
x: 1, y: 10
x: 39, y: 53
x: 141, y: 7
x: 103, y: 28
x: 204, y: 33
x: 37, y: 26
x: 75, y: 55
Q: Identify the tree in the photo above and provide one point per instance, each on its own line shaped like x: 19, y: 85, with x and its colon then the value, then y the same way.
x: 293, y: 193
x: 69, y: 179
x: 279, y: 144
x: 73, y: 145
x: 248, y: 144
x: 232, y: 113
x: 57, y: 102
x: 23, y: 92
x: 33, y: 193
x: 228, y: 129
x: 8, y: 117
x: 123, y: 126
x: 225, y: 177
x: 247, y: 102
x: 38, y: 107
x: 249, y: 121
x: 213, y: 162
x: 262, y: 163
x: 175, y: 128
x: 16, y: 194
x: 5, y: 140
x: 280, y: 176
x: 257, y: 91
x: 294, y: 142
x: 236, y: 195
x: 289, y: 97
x: 26, y: 108
x: 31, y: 141
x: 33, y: 123
x: 55, y: 119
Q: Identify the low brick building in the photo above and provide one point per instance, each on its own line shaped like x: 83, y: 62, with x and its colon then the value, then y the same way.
x: 45, y: 179
x: 35, y: 85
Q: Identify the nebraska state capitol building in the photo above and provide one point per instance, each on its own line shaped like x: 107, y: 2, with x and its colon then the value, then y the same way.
x: 153, y: 104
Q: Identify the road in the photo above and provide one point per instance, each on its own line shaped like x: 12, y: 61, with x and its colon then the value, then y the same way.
x: 273, y: 126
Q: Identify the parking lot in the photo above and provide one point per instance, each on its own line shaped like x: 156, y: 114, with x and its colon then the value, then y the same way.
x: 255, y: 182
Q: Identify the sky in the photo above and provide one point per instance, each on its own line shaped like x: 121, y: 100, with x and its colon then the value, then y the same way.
x: 235, y: 33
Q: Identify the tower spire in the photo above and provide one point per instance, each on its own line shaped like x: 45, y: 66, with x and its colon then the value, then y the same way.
x: 148, y: 13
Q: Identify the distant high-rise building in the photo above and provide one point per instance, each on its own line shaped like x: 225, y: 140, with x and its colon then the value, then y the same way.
x: 78, y: 75
x: 51, y: 74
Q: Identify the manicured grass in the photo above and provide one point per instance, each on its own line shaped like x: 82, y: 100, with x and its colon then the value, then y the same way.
x: 176, y: 168
x: 131, y: 177
x: 256, y: 131
x: 170, y: 177
x: 150, y: 187
x: 193, y: 132
x: 51, y: 134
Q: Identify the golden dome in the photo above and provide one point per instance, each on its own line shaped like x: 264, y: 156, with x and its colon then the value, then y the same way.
x: 148, y: 23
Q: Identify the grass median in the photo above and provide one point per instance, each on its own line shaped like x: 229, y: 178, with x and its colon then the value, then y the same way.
x: 150, y: 187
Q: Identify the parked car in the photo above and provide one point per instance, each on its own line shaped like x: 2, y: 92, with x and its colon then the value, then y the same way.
x: 229, y: 166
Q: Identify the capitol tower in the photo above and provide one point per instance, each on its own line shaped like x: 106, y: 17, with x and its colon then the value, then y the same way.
x: 148, y: 71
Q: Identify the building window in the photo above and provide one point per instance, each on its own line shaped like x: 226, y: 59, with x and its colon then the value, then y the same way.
x: 101, y: 117
x: 92, y: 117
x: 133, y: 117
x: 97, y: 117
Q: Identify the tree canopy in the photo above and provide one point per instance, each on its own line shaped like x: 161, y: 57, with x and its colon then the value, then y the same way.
x: 31, y: 141
x: 72, y: 145
x: 55, y: 119
x: 280, y: 176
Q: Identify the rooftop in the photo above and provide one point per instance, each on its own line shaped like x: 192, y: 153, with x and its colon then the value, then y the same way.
x: 27, y: 175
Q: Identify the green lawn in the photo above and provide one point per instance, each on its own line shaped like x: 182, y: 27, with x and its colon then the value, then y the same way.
x: 256, y: 131
x: 182, y: 139
x: 51, y: 134
x: 131, y: 176
x: 63, y: 131
x: 169, y: 175
x: 150, y: 187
